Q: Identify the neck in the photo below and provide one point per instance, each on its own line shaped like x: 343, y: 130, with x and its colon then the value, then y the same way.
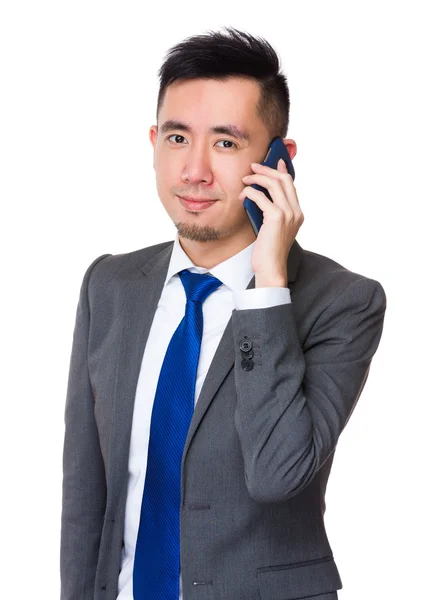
x: 213, y: 252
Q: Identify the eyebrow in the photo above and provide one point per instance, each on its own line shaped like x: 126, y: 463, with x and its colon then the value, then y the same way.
x: 232, y: 130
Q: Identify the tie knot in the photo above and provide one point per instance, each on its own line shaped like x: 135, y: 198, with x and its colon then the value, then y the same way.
x: 198, y: 286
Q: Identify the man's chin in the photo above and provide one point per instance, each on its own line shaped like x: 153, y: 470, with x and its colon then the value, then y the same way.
x: 197, y: 233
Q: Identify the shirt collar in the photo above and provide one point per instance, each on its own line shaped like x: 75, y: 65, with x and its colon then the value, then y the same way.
x: 235, y: 272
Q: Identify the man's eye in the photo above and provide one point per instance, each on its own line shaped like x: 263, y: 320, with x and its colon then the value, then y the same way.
x: 228, y: 142
x: 179, y: 137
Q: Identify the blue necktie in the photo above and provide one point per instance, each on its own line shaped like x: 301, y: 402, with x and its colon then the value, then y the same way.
x: 157, y: 554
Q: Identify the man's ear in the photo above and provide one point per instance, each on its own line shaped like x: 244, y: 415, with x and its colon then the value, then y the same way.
x: 291, y: 147
x: 153, y: 138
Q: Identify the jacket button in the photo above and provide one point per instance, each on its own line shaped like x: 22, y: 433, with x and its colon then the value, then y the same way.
x: 247, y: 364
x: 247, y: 354
x: 245, y: 345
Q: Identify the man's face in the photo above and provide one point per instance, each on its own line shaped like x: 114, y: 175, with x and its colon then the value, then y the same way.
x: 191, y: 161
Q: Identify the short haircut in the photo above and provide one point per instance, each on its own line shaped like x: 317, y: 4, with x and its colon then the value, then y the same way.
x: 217, y: 55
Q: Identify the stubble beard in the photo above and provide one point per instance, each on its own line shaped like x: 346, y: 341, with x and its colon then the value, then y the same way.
x: 198, y: 233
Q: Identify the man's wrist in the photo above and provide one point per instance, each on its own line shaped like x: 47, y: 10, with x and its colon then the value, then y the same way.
x: 268, y: 282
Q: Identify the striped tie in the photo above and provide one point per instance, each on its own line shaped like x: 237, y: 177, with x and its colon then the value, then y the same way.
x: 157, y: 554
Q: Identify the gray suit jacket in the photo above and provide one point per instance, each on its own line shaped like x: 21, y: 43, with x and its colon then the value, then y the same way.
x: 260, y: 445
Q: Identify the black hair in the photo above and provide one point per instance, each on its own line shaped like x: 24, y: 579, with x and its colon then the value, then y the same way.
x: 216, y: 55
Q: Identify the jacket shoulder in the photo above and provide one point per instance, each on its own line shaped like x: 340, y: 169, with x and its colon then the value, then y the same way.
x: 325, y: 273
x: 124, y: 263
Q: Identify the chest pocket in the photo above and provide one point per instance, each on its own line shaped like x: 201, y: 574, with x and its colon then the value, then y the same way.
x: 318, y: 579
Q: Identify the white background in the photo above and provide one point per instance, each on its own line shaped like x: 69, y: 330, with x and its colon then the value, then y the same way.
x: 78, y: 94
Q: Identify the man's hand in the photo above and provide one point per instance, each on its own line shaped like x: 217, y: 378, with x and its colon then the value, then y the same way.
x: 282, y: 219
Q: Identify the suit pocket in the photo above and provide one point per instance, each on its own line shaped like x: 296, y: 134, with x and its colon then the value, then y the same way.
x: 316, y: 578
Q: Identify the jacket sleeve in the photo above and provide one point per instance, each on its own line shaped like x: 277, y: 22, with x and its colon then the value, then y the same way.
x: 84, y: 485
x: 294, y: 403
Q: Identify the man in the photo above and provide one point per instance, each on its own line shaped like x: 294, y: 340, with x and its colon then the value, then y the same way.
x: 212, y: 375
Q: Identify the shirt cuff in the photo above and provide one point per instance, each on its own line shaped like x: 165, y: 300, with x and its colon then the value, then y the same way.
x: 262, y: 297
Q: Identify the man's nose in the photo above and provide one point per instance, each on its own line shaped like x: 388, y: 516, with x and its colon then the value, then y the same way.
x: 198, y: 167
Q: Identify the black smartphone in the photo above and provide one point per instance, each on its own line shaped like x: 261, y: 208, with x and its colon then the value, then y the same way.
x: 276, y: 151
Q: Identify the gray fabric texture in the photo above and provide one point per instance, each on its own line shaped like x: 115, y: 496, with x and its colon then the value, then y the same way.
x: 261, y: 442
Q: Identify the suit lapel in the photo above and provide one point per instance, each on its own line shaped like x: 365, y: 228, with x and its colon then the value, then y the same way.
x: 144, y: 286
x: 140, y: 292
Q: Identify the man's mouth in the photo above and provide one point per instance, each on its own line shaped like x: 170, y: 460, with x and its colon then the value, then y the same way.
x: 196, y: 203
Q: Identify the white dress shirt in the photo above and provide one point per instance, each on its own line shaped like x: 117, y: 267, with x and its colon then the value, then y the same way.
x: 235, y: 274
